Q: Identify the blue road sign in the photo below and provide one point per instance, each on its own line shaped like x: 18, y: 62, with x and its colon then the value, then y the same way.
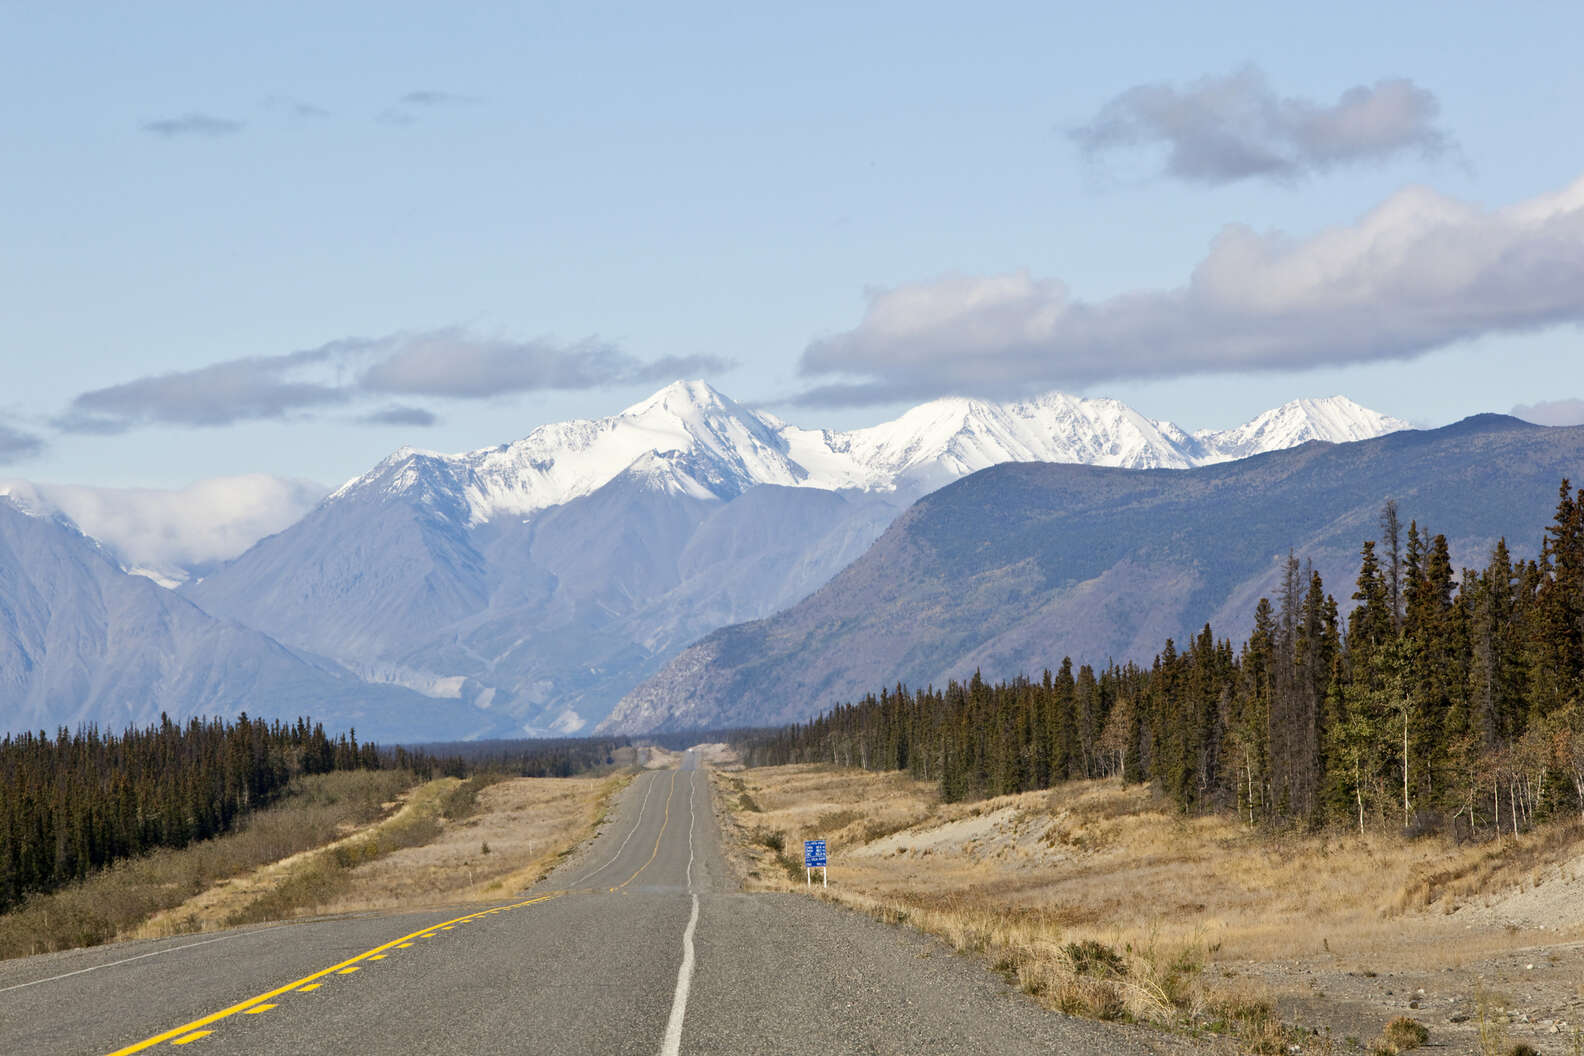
x: 813, y: 853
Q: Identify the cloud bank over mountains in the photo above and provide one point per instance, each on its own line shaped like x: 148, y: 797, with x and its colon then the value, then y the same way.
x: 1419, y: 272
x: 165, y: 532
x: 1219, y: 130
x: 1552, y: 412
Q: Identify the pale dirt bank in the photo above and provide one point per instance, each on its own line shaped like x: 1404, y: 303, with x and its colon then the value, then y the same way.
x: 1343, y: 932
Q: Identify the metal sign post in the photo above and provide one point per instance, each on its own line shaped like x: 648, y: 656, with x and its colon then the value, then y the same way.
x: 814, y: 858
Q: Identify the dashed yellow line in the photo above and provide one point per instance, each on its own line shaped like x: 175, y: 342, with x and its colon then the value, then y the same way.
x: 190, y: 1032
x: 654, y: 853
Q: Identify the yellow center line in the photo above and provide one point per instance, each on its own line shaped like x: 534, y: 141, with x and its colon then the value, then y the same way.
x: 256, y: 1009
x: 658, y: 838
x: 190, y: 1031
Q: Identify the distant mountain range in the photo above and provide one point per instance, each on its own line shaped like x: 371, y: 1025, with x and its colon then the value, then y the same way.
x: 82, y: 641
x: 1017, y: 566
x: 172, y: 535
x: 717, y: 448
x: 529, y: 587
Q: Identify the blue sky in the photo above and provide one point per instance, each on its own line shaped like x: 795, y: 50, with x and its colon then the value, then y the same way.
x: 488, y: 217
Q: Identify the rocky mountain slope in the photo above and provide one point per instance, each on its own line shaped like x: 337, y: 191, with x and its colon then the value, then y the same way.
x: 1016, y: 566
x: 83, y: 641
x: 542, y: 580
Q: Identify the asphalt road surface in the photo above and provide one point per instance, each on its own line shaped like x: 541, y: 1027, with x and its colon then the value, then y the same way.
x: 636, y: 945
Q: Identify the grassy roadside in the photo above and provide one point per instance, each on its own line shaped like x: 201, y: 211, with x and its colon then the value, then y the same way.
x: 313, y: 881
x: 111, y: 903
x: 339, y: 842
x: 1101, y: 901
x: 451, y: 841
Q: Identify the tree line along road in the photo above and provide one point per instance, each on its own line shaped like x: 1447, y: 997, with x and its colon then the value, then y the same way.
x: 638, y: 945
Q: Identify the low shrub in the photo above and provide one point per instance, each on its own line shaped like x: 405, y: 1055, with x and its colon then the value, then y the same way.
x: 1095, y: 958
x: 1403, y: 1034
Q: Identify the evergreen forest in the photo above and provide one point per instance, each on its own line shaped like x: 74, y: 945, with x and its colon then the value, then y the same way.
x: 1439, y: 699
x: 77, y: 802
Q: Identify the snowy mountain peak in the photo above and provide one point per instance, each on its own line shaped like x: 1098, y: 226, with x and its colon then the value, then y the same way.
x: 1334, y: 419
x: 690, y: 438
x: 676, y: 473
x: 683, y: 399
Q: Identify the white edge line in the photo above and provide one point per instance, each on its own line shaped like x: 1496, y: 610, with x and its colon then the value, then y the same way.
x: 672, y: 1044
x: 624, y: 843
x: 125, y: 960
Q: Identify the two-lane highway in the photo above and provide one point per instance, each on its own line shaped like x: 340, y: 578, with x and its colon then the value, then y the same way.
x: 636, y: 945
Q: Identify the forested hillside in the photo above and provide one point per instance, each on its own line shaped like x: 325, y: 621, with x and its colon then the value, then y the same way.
x: 1430, y: 697
x: 78, y: 802
x: 1010, y: 569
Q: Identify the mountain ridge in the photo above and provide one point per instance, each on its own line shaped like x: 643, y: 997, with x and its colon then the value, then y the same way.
x: 83, y: 641
x: 937, y: 441
x: 1011, y: 568
x: 530, y: 586
x: 547, y: 577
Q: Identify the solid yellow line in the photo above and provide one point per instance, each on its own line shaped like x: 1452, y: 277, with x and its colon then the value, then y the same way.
x: 215, y: 1017
x: 658, y: 838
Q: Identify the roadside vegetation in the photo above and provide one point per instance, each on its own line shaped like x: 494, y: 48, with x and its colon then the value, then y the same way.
x: 78, y: 802
x: 179, y: 828
x: 1104, y: 900
x: 1440, y: 701
x: 315, y: 809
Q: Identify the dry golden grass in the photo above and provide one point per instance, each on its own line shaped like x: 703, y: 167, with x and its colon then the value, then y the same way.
x: 119, y: 899
x: 1118, y: 865
x: 509, y: 834
x: 528, y: 824
x: 338, y: 843
x: 1027, y: 881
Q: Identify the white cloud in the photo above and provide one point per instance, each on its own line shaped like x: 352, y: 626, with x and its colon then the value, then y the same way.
x: 1552, y: 412
x: 1419, y: 272
x: 1223, y: 129
x: 447, y: 363
x: 193, y: 126
x: 16, y: 445
x: 173, y: 532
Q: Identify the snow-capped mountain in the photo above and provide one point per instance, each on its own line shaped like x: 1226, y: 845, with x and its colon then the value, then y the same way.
x: 731, y: 448
x: 529, y: 587
x: 1337, y: 419
x: 734, y: 448
x: 1007, y: 572
x: 543, y: 579
x: 171, y: 535
x: 83, y: 641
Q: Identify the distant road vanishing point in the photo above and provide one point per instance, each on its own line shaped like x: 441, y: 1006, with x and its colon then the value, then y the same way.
x: 638, y: 945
